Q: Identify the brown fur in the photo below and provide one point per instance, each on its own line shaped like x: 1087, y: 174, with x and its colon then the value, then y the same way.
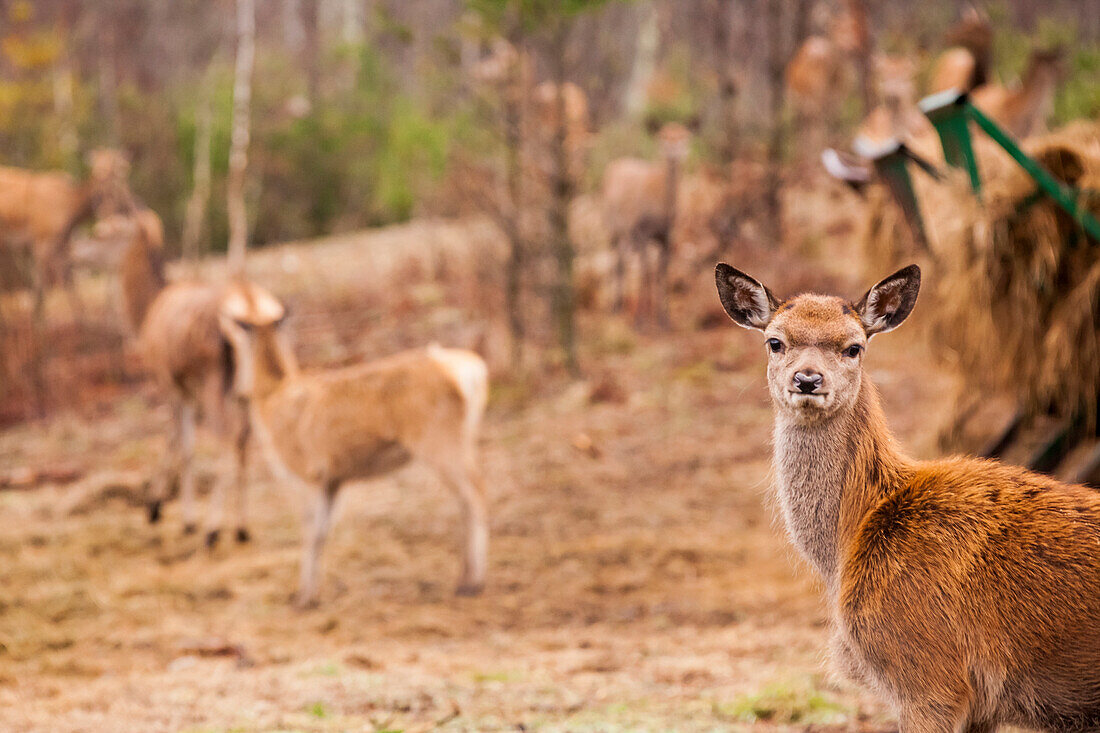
x: 179, y: 338
x: 965, y: 591
x: 328, y: 428
x: 40, y: 210
x: 1023, y: 109
x: 966, y: 63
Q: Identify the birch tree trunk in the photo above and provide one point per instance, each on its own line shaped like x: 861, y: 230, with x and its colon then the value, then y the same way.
x: 195, y: 213
x: 238, y: 151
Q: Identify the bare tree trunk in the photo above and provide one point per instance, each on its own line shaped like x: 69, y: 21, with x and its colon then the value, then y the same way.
x: 858, y: 11
x: 645, y: 61
x: 514, y: 95
x: 311, y: 48
x: 727, y: 82
x: 107, y: 97
x: 351, y: 22
x: 563, y: 298
x: 238, y: 152
x: 195, y: 214
x: 777, y: 98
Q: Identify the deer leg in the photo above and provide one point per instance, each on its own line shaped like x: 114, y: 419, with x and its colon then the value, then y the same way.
x: 236, y: 416
x: 465, y: 480
x: 664, y: 254
x: 620, y: 275
x: 161, y: 485
x: 240, y: 488
x: 38, y: 332
x: 186, y: 467
x: 316, y: 531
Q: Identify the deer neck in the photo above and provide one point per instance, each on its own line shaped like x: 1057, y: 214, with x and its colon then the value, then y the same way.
x: 829, y: 474
x: 273, y: 365
x: 141, y: 278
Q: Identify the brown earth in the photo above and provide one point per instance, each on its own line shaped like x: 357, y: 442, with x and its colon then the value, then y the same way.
x: 637, y: 580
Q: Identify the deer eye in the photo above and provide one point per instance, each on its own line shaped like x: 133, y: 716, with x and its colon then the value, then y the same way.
x: 774, y: 345
x: 853, y: 351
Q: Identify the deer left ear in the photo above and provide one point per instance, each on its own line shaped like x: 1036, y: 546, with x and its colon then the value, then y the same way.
x: 886, y: 305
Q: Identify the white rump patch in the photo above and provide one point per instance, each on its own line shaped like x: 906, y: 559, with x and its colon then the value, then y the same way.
x: 470, y: 374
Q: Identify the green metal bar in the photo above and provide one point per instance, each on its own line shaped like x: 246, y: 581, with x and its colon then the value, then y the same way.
x: 891, y: 159
x: 1062, y: 194
x: 947, y: 111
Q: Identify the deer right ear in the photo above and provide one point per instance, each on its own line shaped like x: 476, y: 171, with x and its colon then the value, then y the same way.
x: 746, y: 301
x: 890, y: 302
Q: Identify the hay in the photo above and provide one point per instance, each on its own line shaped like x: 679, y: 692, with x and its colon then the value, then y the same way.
x: 1017, y: 283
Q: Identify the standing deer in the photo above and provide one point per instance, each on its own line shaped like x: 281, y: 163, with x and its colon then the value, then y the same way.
x: 178, y: 335
x: 328, y: 428
x: 966, y: 63
x: 40, y: 210
x: 639, y: 203
x: 1023, y: 108
x: 965, y: 591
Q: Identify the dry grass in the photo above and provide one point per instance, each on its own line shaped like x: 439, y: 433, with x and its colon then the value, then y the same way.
x: 637, y: 581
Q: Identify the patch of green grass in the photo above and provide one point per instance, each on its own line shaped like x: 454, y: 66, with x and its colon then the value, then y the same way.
x: 317, y: 710
x: 790, y: 703
x: 498, y: 676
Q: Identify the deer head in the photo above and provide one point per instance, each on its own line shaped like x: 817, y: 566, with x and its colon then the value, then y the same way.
x: 816, y: 343
x: 249, y: 319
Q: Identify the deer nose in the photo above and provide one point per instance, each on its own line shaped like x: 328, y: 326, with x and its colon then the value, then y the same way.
x: 808, y: 382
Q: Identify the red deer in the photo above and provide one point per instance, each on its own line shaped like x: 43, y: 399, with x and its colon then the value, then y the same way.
x: 639, y: 199
x: 327, y: 428
x: 966, y: 63
x: 179, y: 338
x: 1023, y: 108
x: 40, y: 210
x: 965, y: 591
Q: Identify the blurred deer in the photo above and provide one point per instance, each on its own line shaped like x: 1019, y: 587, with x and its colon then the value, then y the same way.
x: 1023, y: 108
x: 820, y: 76
x: 327, y: 428
x: 179, y: 337
x: 40, y: 211
x: 967, y: 62
x: 639, y: 200
x: 965, y: 591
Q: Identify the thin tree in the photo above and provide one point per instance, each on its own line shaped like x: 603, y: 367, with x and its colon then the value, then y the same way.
x: 238, y: 151
x: 562, y: 189
x: 195, y: 213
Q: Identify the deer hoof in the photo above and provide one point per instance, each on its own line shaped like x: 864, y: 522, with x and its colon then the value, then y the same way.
x: 212, y: 538
x: 154, y: 511
x: 190, y: 528
x: 469, y: 589
x: 243, y: 535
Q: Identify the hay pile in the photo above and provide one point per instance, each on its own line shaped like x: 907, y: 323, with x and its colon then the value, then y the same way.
x: 1017, y: 282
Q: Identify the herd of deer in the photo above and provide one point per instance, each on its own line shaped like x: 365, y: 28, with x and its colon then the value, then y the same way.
x: 967, y: 592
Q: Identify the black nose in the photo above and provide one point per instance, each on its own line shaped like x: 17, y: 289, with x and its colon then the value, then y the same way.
x: 807, y: 382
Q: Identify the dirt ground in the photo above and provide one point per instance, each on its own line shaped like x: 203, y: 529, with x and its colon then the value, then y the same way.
x: 637, y: 581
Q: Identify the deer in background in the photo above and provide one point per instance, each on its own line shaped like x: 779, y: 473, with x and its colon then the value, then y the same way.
x: 820, y: 75
x: 178, y: 335
x: 327, y: 428
x: 965, y: 591
x: 639, y: 199
x: 40, y: 210
x: 1023, y: 108
x: 968, y: 60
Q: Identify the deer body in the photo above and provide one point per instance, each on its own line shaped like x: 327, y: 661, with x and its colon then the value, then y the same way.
x: 327, y: 428
x: 639, y: 199
x: 178, y: 336
x: 1023, y: 109
x: 41, y: 210
x: 965, y: 591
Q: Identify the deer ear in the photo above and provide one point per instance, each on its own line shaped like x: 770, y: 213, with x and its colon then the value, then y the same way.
x: 887, y: 304
x: 746, y: 301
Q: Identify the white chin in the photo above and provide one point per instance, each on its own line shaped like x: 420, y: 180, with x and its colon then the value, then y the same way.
x: 810, y: 403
